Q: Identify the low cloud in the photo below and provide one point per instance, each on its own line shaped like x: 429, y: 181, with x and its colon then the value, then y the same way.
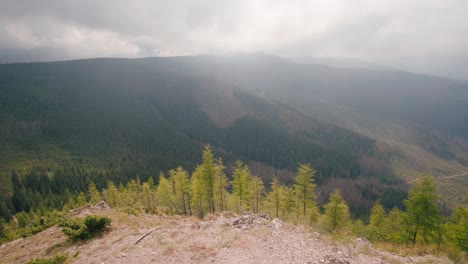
x: 428, y: 36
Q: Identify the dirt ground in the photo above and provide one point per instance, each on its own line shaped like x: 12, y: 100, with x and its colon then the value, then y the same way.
x: 257, y: 239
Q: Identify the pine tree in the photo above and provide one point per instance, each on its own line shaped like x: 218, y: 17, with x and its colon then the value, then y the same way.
x: 304, y: 187
x: 336, y: 212
x: 422, y: 216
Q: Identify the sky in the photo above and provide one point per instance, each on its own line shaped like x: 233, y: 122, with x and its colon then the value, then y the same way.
x: 425, y: 36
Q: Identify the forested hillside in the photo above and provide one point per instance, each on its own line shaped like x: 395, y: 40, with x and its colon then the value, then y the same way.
x: 124, y: 118
x: 65, y: 124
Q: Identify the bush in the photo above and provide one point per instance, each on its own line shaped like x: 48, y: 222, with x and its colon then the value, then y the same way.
x: 59, y: 259
x: 87, y: 228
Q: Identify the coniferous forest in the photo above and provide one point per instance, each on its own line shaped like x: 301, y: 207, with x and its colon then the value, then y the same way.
x: 41, y: 200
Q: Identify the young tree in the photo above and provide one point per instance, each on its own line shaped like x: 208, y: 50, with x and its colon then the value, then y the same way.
x: 164, y: 193
x: 377, y: 223
x: 81, y: 199
x: 94, y: 195
x: 180, y: 190
x: 257, y: 190
x: 457, y: 228
x: 336, y: 212
x: 304, y: 186
x: 198, y: 192
x: 422, y: 216
x: 112, y: 194
x: 240, y: 186
x: 289, y: 203
x: 275, y: 196
x: 221, y: 185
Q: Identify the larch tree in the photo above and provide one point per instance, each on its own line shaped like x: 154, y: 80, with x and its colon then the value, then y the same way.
x: 422, y: 217
x: 257, y: 190
x: 208, y: 177
x: 94, y: 195
x: 457, y: 228
x: 274, y: 197
x: 164, y: 193
x: 377, y: 223
x: 197, y: 189
x: 180, y: 190
x: 336, y: 212
x: 220, y: 185
x: 304, y: 187
x: 240, y: 186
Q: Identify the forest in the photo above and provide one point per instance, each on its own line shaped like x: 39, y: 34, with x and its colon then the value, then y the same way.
x: 39, y: 202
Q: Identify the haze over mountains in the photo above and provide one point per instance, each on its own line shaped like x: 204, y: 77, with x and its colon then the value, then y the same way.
x: 368, y: 130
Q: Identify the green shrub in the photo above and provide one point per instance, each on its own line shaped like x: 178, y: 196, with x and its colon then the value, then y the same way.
x: 87, y: 228
x: 59, y: 259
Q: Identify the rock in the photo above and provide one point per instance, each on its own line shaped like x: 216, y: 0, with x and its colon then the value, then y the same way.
x: 249, y: 221
x: 102, y: 205
x: 276, y: 223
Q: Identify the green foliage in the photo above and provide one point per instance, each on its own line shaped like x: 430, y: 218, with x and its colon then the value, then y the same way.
x: 457, y: 228
x: 376, y: 228
x: 304, y: 187
x: 87, y: 228
x: 274, y: 197
x: 336, y: 216
x: 423, y: 219
x: 2, y: 228
x: 94, y: 195
x: 257, y: 190
x: 241, y: 187
x: 59, y: 259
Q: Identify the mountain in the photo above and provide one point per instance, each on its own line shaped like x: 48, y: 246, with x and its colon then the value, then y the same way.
x: 122, y: 118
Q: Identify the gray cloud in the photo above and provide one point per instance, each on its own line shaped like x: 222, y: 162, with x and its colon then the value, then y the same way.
x: 428, y: 36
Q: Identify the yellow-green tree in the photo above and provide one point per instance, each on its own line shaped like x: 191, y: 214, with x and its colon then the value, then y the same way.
x: 275, y: 196
x: 457, y: 228
x: 197, y: 189
x: 257, y: 190
x: 164, y: 194
x: 422, y: 217
x: 240, y: 186
x: 220, y: 186
x: 376, y: 228
x: 336, y: 215
x: 94, y: 195
x: 304, y: 188
x: 180, y: 186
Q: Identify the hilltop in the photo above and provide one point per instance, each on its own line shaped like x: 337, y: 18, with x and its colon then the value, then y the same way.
x: 177, y: 239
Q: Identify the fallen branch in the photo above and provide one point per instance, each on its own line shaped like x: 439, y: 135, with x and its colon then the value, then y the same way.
x: 141, y: 238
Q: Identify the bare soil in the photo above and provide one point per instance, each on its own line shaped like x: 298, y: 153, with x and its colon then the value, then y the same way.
x: 254, y: 239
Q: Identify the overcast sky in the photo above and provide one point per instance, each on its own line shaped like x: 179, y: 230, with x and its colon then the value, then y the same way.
x: 428, y: 36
